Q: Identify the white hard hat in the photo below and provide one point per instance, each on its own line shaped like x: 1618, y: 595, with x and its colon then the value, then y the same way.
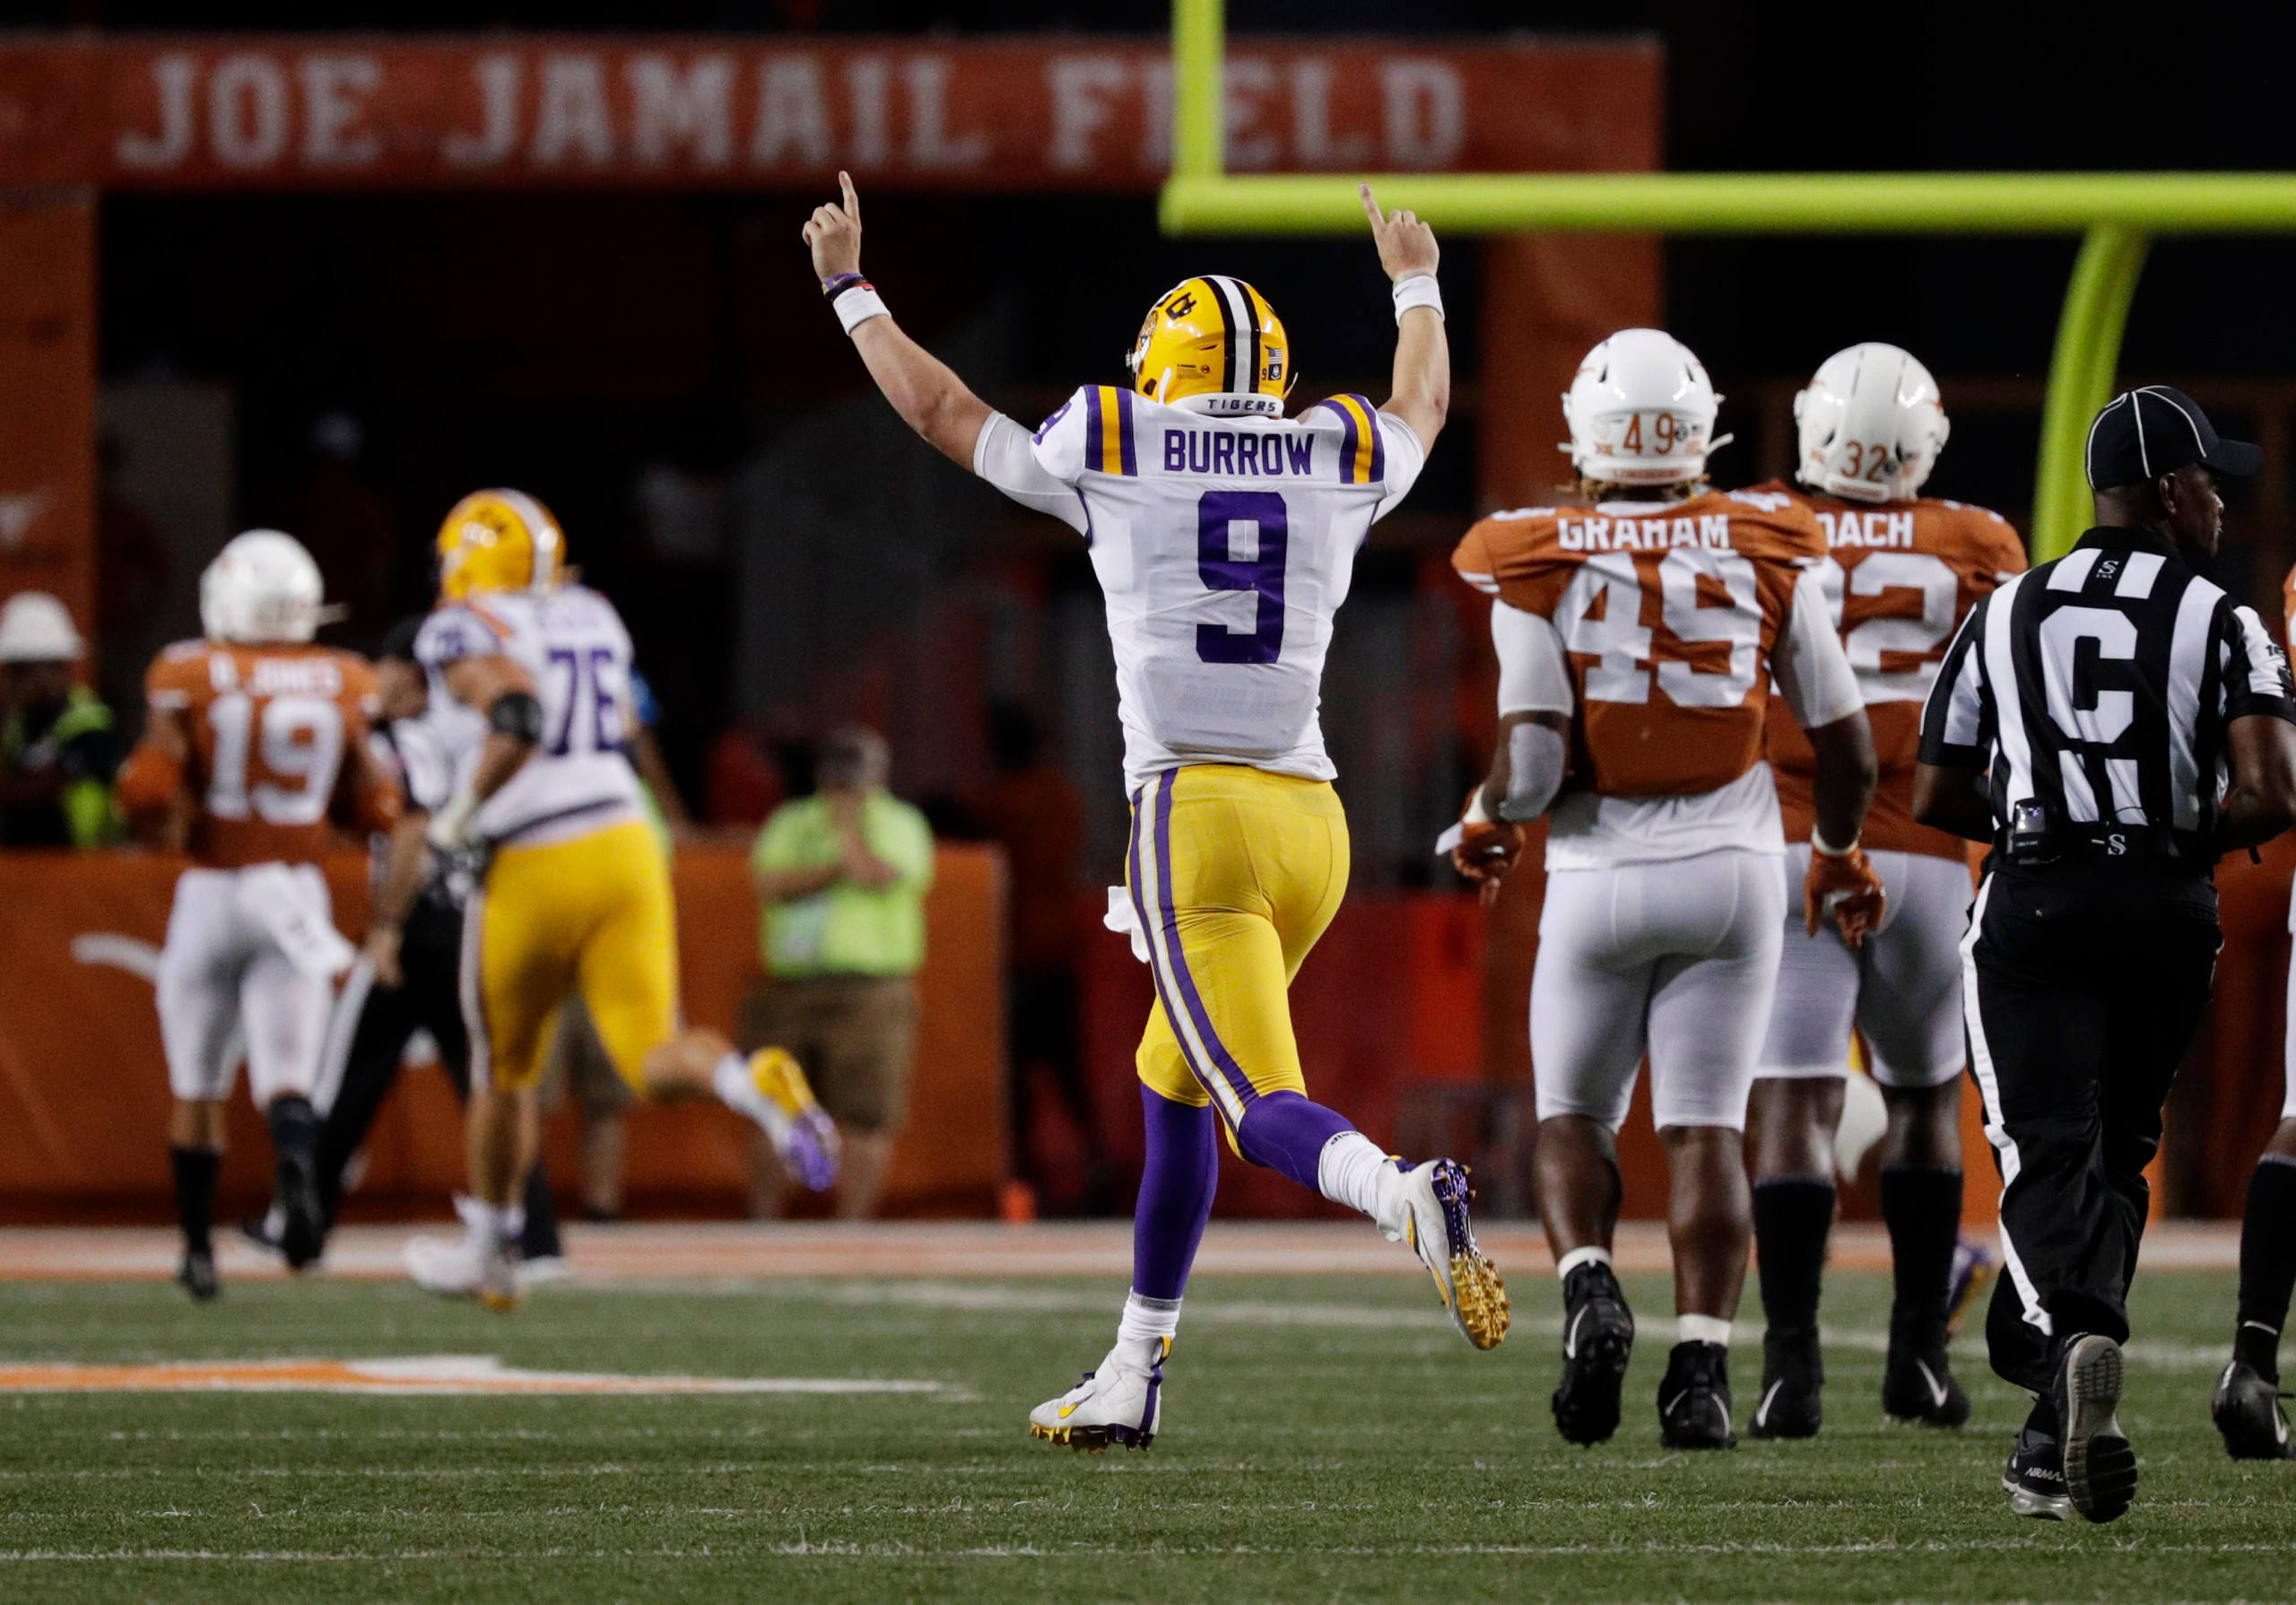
x: 262, y: 587
x: 1640, y: 411
x: 1871, y: 424
x: 36, y: 628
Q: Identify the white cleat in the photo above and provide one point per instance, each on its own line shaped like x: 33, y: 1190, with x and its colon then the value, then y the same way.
x: 476, y: 1265
x: 1426, y: 1206
x: 1121, y: 1402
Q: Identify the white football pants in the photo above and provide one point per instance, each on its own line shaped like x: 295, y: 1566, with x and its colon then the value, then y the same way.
x: 1677, y: 959
x: 243, y: 972
x: 1903, y: 987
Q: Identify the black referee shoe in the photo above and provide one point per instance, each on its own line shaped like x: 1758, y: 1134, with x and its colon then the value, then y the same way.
x: 2247, y: 1411
x: 1791, y: 1373
x: 2100, y: 1467
x: 2035, y: 1477
x: 1598, y: 1341
x: 1694, y: 1400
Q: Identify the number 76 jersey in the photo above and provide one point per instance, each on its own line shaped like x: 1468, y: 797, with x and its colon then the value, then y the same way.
x: 1223, y: 545
x: 573, y: 643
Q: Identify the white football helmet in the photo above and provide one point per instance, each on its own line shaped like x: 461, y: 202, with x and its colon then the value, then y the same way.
x: 1871, y: 424
x: 1640, y: 411
x: 263, y: 586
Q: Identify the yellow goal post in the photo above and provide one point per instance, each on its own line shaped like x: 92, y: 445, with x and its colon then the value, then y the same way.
x: 2116, y: 214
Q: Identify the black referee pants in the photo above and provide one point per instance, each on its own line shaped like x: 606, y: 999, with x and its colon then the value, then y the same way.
x: 2082, y: 988
x: 431, y: 999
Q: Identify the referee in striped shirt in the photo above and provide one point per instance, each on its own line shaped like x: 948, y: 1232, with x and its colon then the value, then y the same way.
x: 2110, y: 723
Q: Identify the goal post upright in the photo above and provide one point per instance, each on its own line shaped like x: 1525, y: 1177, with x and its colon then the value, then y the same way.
x: 2115, y: 214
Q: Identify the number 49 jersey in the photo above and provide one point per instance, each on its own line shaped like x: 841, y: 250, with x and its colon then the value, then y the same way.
x: 1223, y: 545
x: 573, y: 643
x: 270, y: 728
x: 1899, y: 579
x: 1669, y: 614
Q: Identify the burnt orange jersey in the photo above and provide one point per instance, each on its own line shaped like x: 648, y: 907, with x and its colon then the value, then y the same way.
x: 272, y: 729
x: 1669, y: 613
x: 1898, y: 578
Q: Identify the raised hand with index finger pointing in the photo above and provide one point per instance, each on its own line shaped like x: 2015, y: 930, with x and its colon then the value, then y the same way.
x: 833, y: 233
x: 1406, y: 245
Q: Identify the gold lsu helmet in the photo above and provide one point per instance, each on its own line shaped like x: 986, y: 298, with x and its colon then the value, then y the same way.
x: 499, y: 540
x: 1214, y: 335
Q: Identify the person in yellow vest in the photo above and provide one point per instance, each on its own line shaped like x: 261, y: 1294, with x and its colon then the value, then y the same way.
x: 841, y: 877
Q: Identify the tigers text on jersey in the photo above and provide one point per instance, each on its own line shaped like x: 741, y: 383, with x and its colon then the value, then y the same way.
x: 270, y: 728
x: 572, y: 642
x: 1899, y: 578
x: 1223, y: 545
x: 2101, y: 685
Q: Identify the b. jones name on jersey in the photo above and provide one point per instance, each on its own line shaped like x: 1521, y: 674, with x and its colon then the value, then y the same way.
x: 315, y: 674
x: 1238, y: 451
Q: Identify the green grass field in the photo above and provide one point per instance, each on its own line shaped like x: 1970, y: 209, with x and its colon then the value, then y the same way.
x: 1324, y: 1440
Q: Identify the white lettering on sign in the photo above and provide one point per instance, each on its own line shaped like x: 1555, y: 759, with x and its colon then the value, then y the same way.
x: 1313, y: 142
x: 1082, y: 90
x: 1248, y: 80
x: 573, y: 115
x: 175, y: 77
x: 869, y: 82
x: 670, y: 108
x: 247, y: 111
x: 931, y: 146
x: 335, y: 89
x: 792, y: 116
x: 499, y: 81
x: 1427, y: 115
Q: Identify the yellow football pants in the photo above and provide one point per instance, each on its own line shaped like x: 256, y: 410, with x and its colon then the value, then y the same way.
x: 1234, y: 874
x: 594, y: 911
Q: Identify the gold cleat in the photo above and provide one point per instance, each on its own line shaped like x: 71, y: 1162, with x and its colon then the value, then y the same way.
x: 1433, y: 1217
x: 1483, y: 1312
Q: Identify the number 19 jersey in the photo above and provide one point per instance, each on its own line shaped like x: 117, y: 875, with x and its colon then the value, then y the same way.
x: 573, y: 643
x: 1224, y: 545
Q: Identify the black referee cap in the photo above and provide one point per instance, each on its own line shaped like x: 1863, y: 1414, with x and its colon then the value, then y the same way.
x: 2143, y: 434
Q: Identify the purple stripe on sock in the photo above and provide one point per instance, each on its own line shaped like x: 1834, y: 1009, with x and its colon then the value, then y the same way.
x: 1176, y: 1187
x: 1285, y: 1132
x: 1223, y: 1061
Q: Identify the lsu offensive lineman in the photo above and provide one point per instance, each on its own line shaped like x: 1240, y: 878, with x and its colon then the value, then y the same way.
x: 1637, y: 635
x: 1903, y: 571
x: 259, y: 737
x: 1224, y: 536
x: 576, y: 890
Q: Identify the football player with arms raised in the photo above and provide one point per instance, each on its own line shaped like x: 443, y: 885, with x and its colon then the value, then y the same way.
x: 1224, y: 535
x: 1638, y: 637
x: 255, y: 744
x: 576, y: 889
x: 1903, y: 571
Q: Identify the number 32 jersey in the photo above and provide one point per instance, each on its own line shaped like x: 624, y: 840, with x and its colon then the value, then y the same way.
x: 1900, y: 579
x: 573, y: 643
x: 1223, y: 545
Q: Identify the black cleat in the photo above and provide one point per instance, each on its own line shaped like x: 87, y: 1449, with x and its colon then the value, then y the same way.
x: 302, y: 1227
x: 1917, y: 1384
x: 197, y: 1277
x: 1598, y: 1341
x: 1791, y: 1374
x: 2035, y: 1479
x: 2100, y: 1467
x: 1694, y: 1400
x: 2247, y: 1411
x: 263, y: 1231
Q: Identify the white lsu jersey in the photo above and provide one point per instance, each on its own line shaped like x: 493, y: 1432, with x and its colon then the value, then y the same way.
x: 1224, y: 545
x: 574, y: 644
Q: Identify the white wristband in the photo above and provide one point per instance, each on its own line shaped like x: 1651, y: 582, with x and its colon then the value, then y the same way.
x: 857, y: 305
x: 1818, y: 844
x: 1474, y: 814
x: 1419, y: 289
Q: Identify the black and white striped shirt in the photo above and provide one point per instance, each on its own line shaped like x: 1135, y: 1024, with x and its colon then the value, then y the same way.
x: 2101, y: 684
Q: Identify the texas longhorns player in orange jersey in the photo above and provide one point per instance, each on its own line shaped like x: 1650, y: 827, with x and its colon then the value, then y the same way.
x: 1902, y: 571
x: 1638, y: 635
x: 256, y: 743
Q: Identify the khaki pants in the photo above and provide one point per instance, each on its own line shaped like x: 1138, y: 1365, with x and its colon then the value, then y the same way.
x: 856, y: 1036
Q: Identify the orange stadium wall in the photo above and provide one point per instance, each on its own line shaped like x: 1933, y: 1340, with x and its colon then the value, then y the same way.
x: 83, y: 1097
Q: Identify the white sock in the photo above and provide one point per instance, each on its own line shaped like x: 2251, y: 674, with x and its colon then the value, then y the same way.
x: 1348, y: 1171
x: 1156, y: 1320
x: 1701, y: 1328
x: 1580, y: 1256
x: 502, y: 1223
x: 736, y: 1089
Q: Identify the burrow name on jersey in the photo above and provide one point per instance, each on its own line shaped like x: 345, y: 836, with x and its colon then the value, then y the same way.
x: 1227, y: 451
